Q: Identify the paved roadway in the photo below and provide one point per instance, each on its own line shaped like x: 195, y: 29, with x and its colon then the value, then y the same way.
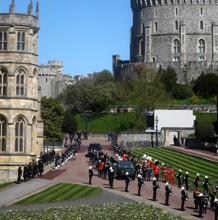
x: 76, y: 171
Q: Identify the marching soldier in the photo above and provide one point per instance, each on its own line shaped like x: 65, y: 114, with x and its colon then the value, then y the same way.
x: 127, y: 181
x: 140, y: 184
x: 196, y: 181
x: 216, y: 209
x: 212, y: 198
x: 19, y: 174
x: 186, y: 180
x: 179, y: 178
x: 155, y: 188
x: 184, y: 197
x: 111, y: 178
x: 205, y: 185
x: 168, y: 192
x: 201, y: 204
x: 91, y: 173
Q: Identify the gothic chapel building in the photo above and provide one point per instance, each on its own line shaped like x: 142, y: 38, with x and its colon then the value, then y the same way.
x: 21, y: 126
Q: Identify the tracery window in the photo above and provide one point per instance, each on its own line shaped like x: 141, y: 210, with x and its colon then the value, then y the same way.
x: 3, y: 83
x: 3, y: 133
x: 201, y: 46
x: 20, y: 83
x: 19, y: 135
x: 3, y: 40
x: 20, y: 40
x: 176, y: 46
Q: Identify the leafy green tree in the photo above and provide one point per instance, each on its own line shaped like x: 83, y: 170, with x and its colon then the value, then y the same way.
x: 206, y: 85
x: 52, y: 115
x: 70, y: 123
x: 168, y: 78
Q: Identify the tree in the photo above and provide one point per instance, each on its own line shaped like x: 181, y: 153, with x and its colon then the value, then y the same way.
x: 206, y: 85
x: 52, y: 115
x: 69, y: 124
x: 168, y: 78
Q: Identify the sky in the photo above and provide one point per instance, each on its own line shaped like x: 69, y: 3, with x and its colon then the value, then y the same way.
x: 84, y: 34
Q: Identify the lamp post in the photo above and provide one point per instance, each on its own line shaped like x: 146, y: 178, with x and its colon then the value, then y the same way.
x: 156, y: 129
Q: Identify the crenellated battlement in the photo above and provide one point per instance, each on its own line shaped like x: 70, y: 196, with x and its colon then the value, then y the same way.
x: 139, y: 4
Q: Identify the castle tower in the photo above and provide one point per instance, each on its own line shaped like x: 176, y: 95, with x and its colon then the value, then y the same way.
x: 21, y: 126
x: 178, y: 33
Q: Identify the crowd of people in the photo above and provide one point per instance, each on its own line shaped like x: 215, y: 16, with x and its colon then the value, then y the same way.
x: 148, y: 170
x: 36, y: 167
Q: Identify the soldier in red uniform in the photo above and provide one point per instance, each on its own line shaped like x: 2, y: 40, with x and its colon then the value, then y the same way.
x: 171, y: 176
x: 164, y: 173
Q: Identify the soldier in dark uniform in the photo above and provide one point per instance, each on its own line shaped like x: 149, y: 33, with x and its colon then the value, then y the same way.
x: 201, y: 204
x: 91, y: 173
x: 186, y: 180
x: 205, y: 185
x: 196, y: 194
x: 179, y: 178
x: 111, y: 178
x: 127, y: 181
x: 212, y: 198
x: 168, y: 192
x: 40, y: 167
x: 184, y: 197
x: 155, y: 188
x: 19, y: 174
x: 25, y: 173
x: 196, y: 181
x: 140, y: 184
x: 216, y: 209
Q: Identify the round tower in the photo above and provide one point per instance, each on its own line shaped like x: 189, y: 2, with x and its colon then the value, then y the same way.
x: 21, y: 127
x: 175, y: 32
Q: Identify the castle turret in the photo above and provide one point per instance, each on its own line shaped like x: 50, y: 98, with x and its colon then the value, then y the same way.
x: 30, y: 8
x: 37, y: 8
x: 12, y: 7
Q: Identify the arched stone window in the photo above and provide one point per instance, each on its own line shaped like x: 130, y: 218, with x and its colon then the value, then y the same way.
x: 155, y: 26
x: 3, y: 82
x: 177, y: 25
x: 3, y: 133
x: 19, y: 134
x: 176, y: 46
x: 201, y: 25
x: 20, y: 83
x: 201, y: 46
x: 3, y: 40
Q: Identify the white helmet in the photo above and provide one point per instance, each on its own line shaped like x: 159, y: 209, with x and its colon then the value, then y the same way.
x: 180, y: 171
x: 183, y: 188
x: 112, y: 170
x: 197, y: 174
x: 216, y: 200
x: 187, y: 172
x: 154, y: 179
x: 139, y: 176
x: 167, y: 184
x: 127, y: 173
x: 206, y: 177
x: 90, y: 168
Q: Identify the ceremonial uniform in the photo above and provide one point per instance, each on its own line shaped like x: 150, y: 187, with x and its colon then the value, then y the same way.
x: 216, y: 209
x: 127, y: 181
x: 168, y: 192
x: 179, y: 178
x: 205, y: 185
x: 155, y: 188
x: 196, y: 181
x: 111, y: 178
x: 140, y: 184
x: 91, y: 173
x: 184, y: 197
x: 186, y: 180
x: 19, y: 174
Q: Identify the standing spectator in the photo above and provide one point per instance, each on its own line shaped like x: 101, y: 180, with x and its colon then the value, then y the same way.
x: 91, y: 173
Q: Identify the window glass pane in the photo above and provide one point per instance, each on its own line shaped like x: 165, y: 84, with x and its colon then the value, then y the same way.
x: 23, y: 46
x: 4, y: 90
x: 4, y: 78
x: 1, y: 90
x: 5, y: 36
x: 23, y: 37
x: 17, y: 90
x: 18, y: 79
x: 22, y: 79
x: 1, y: 78
x: 21, y: 90
x: 16, y: 144
x: 3, y: 144
x: 21, y: 145
x: 0, y: 128
x: 4, y: 127
x: 17, y: 129
x: 21, y: 129
x: 1, y: 37
x: 5, y: 46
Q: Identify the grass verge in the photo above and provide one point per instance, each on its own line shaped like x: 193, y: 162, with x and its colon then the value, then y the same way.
x: 61, y: 192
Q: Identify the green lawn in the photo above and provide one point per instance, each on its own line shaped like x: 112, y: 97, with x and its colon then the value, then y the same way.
x: 184, y: 162
x: 61, y: 192
x: 103, y: 123
x: 138, y: 211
